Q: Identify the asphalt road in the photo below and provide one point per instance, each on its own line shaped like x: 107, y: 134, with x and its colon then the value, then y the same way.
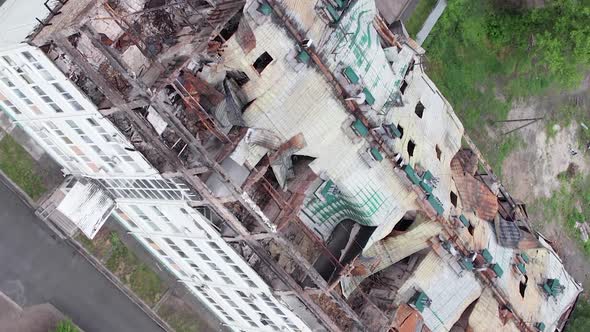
x: 36, y: 268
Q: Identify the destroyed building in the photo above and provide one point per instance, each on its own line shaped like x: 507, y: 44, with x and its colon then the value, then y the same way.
x: 289, y: 161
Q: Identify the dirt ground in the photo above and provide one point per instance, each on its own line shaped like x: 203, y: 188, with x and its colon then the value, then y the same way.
x: 530, y: 171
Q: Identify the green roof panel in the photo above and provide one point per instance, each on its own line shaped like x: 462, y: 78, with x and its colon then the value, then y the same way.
x: 552, y: 287
x: 524, y: 257
x: 369, y: 99
x: 426, y: 187
x: 411, y: 174
x: 376, y: 154
x: 464, y: 220
x: 427, y: 175
x: 265, y: 9
x: 360, y: 128
x: 303, y: 56
x: 540, y: 326
x: 435, y: 203
x: 351, y: 75
x: 487, y: 256
x: 467, y: 264
x: 497, y: 270
x: 340, y: 3
x: 521, y: 268
x: 328, y: 191
x: 393, y: 131
x: 333, y: 12
x: 421, y: 301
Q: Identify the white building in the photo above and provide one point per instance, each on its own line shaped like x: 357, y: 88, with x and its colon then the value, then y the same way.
x: 113, y: 178
x: 286, y: 142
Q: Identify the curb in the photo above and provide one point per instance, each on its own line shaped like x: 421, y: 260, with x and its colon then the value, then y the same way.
x: 117, y: 283
x: 114, y: 280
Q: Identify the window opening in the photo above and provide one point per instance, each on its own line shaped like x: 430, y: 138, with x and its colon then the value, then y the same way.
x: 239, y: 76
x: 454, y: 199
x: 471, y: 229
x: 411, y: 148
x: 262, y: 62
x: 403, y: 87
x: 419, y: 110
x: 522, y: 286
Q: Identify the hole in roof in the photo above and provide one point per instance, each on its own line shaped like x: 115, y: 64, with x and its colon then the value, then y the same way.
x: 403, y: 87
x: 411, y: 148
x: 454, y: 199
x: 438, y: 152
x: 470, y: 228
x: 401, y: 130
x: 262, y: 62
x: 405, y: 222
x: 522, y: 286
x: 419, y: 110
x: 239, y: 76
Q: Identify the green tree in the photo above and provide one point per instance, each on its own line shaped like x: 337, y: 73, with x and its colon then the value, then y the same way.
x: 580, y: 321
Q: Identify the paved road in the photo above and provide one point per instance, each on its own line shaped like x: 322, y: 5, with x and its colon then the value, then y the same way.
x: 431, y: 21
x: 35, y: 268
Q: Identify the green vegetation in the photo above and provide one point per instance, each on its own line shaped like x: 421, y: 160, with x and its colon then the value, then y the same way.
x: 564, y: 116
x: 416, y: 20
x: 18, y: 165
x: 66, y: 326
x: 108, y: 247
x: 570, y: 204
x: 509, y: 144
x: 482, y: 57
x: 580, y: 321
x: 180, y: 318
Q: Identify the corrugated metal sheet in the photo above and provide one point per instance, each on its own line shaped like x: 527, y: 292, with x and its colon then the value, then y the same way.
x: 393, y: 249
x: 450, y: 293
x: 486, y: 315
x: 465, y: 160
x: 288, y: 101
x: 281, y: 162
x: 263, y: 137
x: 88, y: 206
x: 475, y: 196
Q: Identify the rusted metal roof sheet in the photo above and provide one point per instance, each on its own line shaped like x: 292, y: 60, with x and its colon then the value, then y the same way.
x: 201, y: 90
x: 408, y: 319
x: 475, y: 196
x: 466, y: 160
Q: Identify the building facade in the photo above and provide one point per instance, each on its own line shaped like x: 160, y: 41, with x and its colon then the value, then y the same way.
x: 290, y: 162
x: 156, y: 211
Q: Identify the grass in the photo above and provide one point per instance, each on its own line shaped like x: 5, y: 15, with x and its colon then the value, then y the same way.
x: 140, y: 278
x: 481, y: 75
x: 18, y: 165
x: 564, y: 116
x: 570, y: 204
x: 418, y: 17
x: 66, y: 326
x: 181, y: 318
x: 580, y: 321
x: 507, y: 145
x: 143, y: 281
